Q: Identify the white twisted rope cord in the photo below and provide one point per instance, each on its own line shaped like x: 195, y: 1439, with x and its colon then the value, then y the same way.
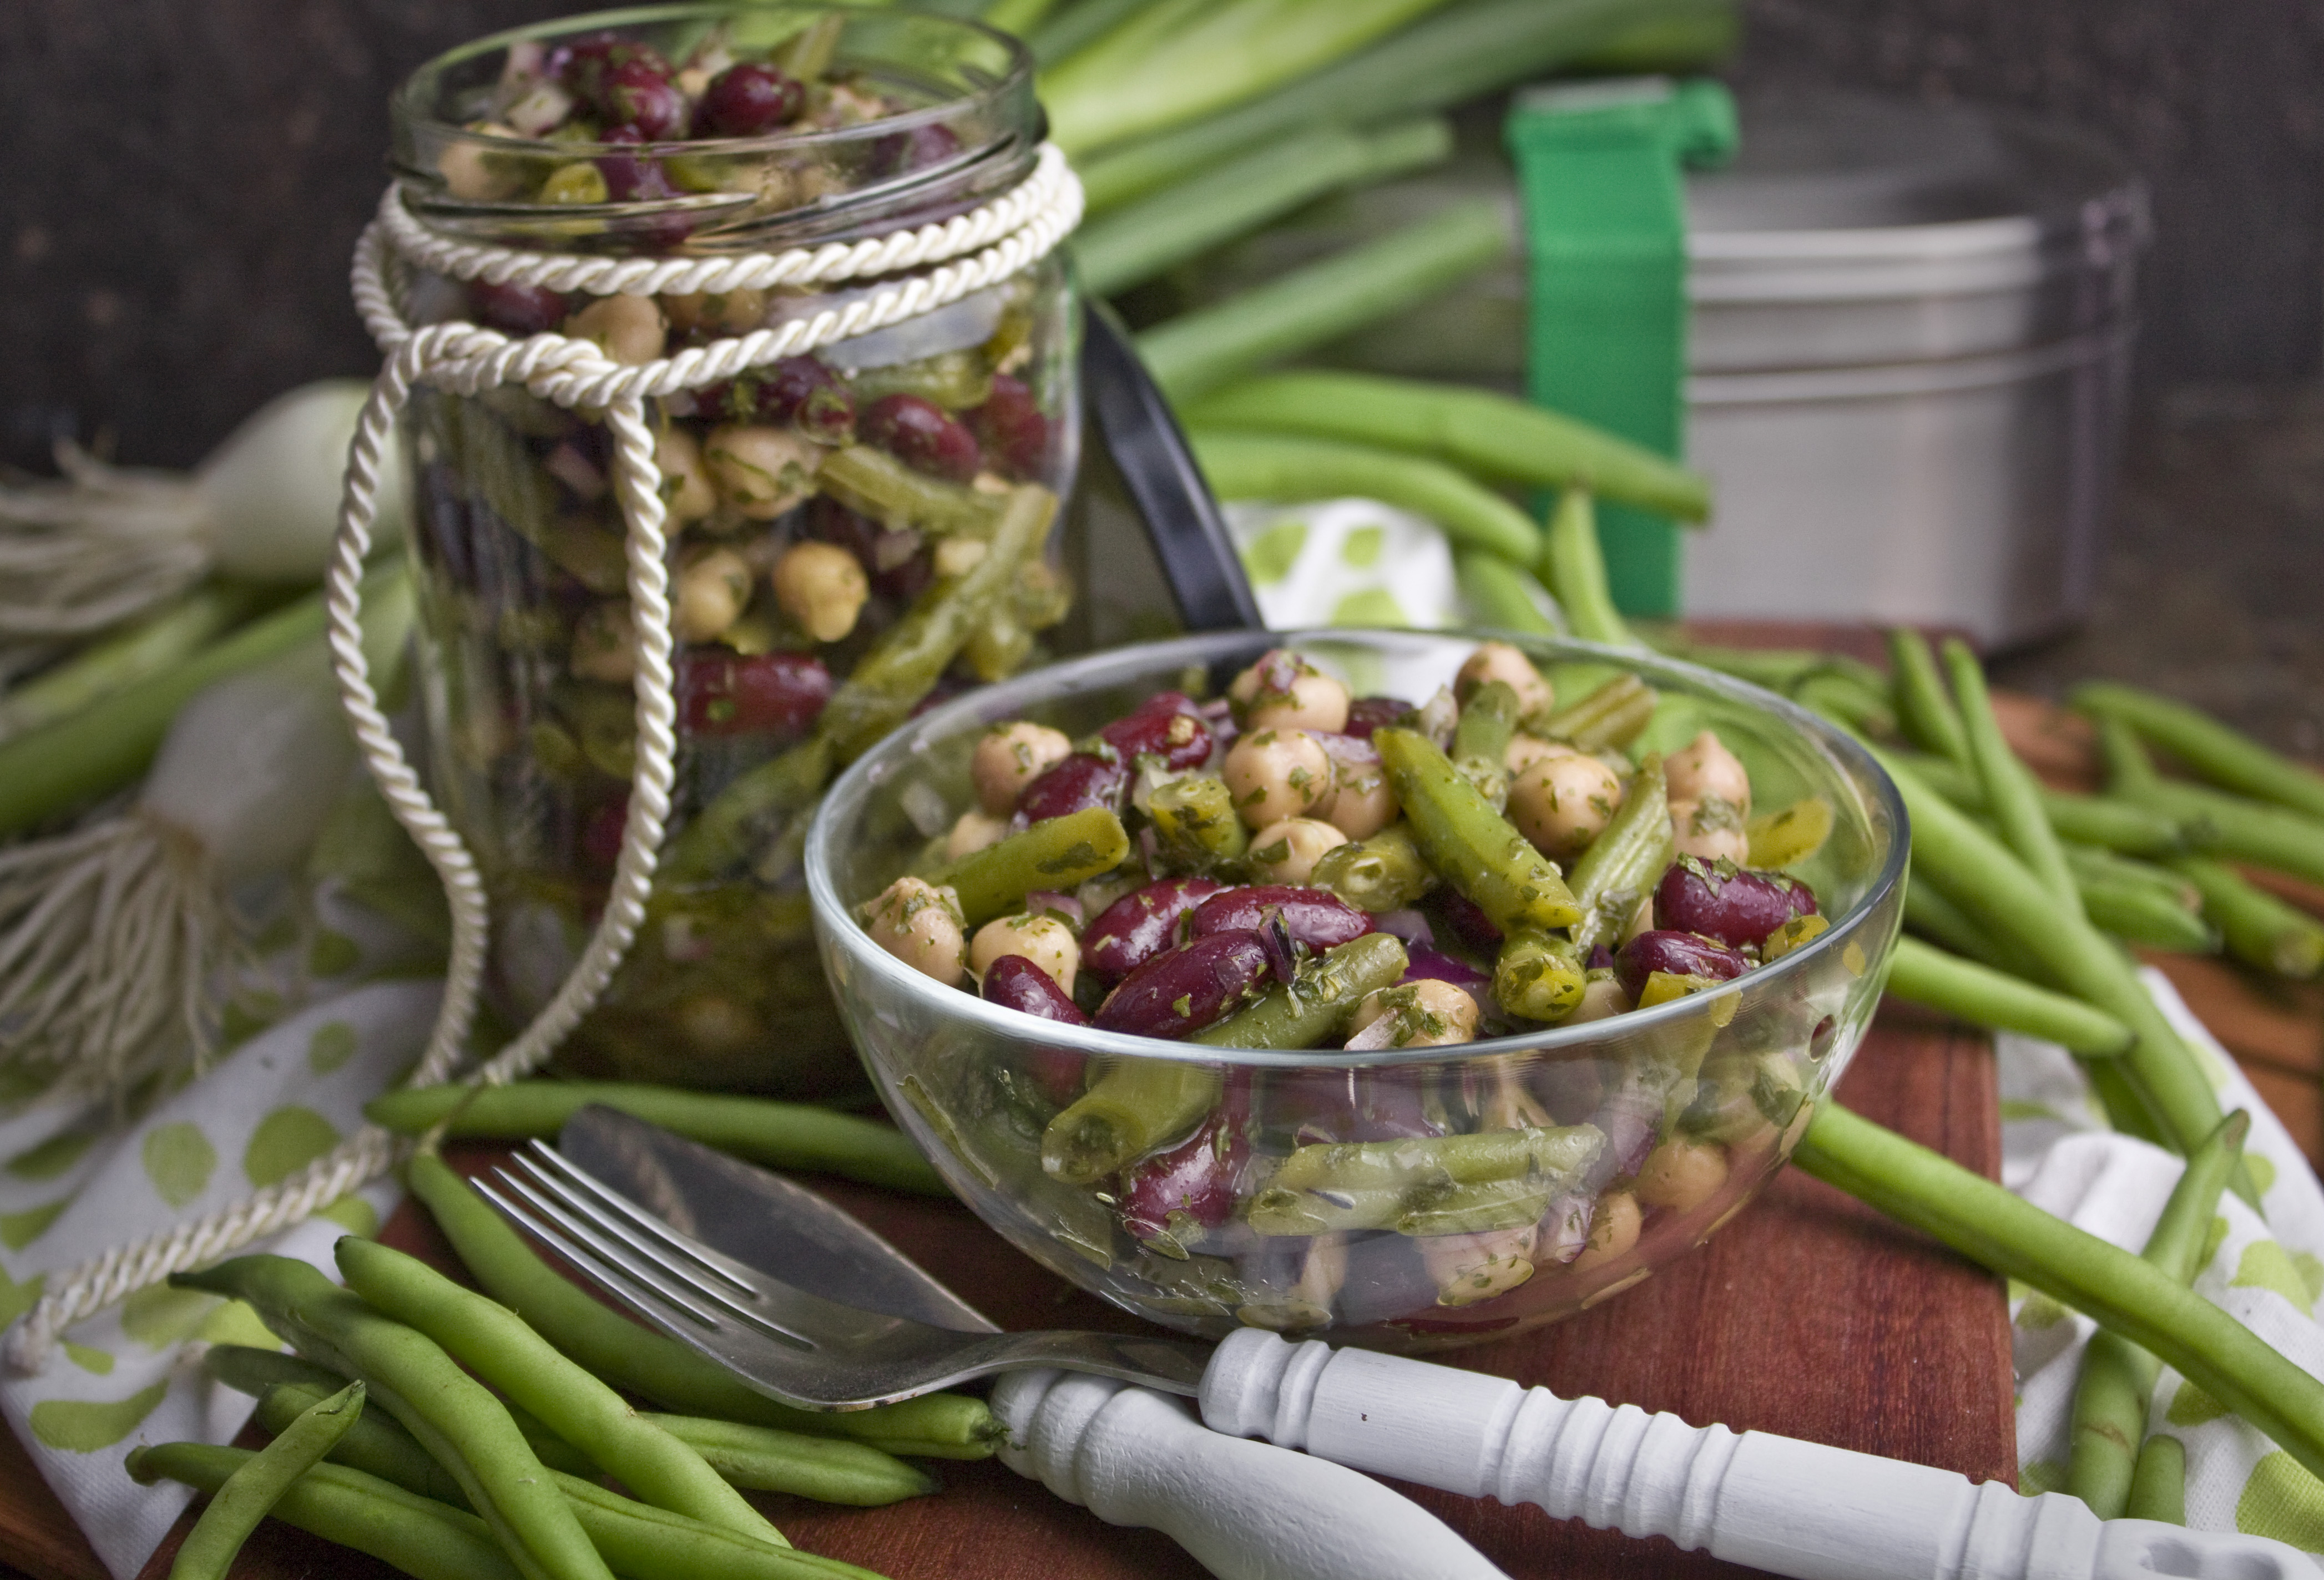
x: 972, y: 251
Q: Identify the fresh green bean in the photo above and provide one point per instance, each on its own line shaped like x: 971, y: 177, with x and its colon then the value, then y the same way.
x: 1250, y: 466
x: 1195, y: 825
x: 2096, y: 864
x: 1929, y: 912
x: 455, y: 1418
x: 1486, y: 434
x: 1922, y: 708
x: 1614, y: 715
x: 2009, y: 787
x: 827, y: 1469
x: 2090, y: 820
x: 2158, y: 1487
x: 1133, y: 1107
x: 2016, y: 1239
x: 1981, y: 877
x: 1982, y: 995
x: 248, y: 1369
x: 871, y: 483
x: 1384, y: 873
x: 1494, y: 1179
x: 1480, y: 740
x: 2224, y: 825
x: 1472, y: 847
x: 2118, y: 1378
x: 1573, y: 568
x: 417, y: 1535
x: 373, y: 1445
x: 1538, y: 976
x: 1627, y: 858
x: 1055, y: 853
x: 251, y: 1493
x: 1303, y: 308
x: 947, y: 1426
x: 1134, y: 243
x: 2225, y: 757
x: 1316, y: 1004
x: 2260, y: 929
x: 782, y: 1135
x: 646, y: 1543
x: 2136, y: 914
x: 1502, y: 594
x: 495, y: 1345
x: 1836, y: 695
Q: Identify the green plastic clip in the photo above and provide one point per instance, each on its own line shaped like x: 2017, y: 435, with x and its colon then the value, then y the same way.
x: 1598, y: 168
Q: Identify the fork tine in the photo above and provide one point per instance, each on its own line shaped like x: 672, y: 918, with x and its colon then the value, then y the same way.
x: 540, y: 1158
x: 642, y: 1262
x: 545, y: 1223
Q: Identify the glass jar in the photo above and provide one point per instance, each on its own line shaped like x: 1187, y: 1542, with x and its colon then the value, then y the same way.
x: 828, y: 514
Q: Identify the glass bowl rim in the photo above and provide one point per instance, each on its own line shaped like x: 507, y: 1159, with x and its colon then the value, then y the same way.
x: 405, y: 109
x: 1058, y: 680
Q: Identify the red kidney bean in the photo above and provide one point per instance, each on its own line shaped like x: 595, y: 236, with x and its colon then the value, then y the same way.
x: 1470, y: 924
x: 1166, y: 726
x: 1176, y: 994
x: 602, y: 832
x: 800, y: 389
x: 588, y: 66
x: 643, y: 101
x: 727, y: 694
x: 516, y: 309
x: 1317, y: 918
x: 629, y: 178
x: 1011, y: 428
x: 1733, y: 905
x: 1366, y: 714
x: 1138, y: 926
x: 923, y: 436
x: 1016, y: 983
x: 1683, y: 954
x: 1081, y: 780
x: 916, y: 150
x: 747, y: 101
x: 1198, y: 1176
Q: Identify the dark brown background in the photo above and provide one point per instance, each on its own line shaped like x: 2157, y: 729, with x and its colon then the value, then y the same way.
x: 184, y: 178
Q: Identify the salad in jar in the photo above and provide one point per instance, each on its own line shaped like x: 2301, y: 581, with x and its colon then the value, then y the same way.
x: 1293, y: 868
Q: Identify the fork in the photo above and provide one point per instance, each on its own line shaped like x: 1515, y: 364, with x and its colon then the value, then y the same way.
x: 1245, y: 1510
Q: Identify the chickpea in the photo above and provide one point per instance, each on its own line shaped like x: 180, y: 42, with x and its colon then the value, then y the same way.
x: 1045, y: 940
x: 1613, y: 1230
x: 605, y: 645
x: 1562, y: 803
x: 972, y: 833
x: 686, y: 486
x: 1470, y: 1269
x: 733, y: 312
x: 1287, y: 851
x: 823, y: 587
x: 1682, y: 1173
x: 957, y: 555
x: 1703, y: 769
x: 1361, y: 802
x: 708, y: 594
x: 1525, y: 751
x: 1277, y: 774
x: 1498, y: 661
x: 1709, y: 828
x: 1283, y: 691
x: 1427, y: 1014
x: 920, y: 924
x: 627, y: 328
x: 1009, y: 756
x: 474, y: 175
x: 1602, y: 999
x: 761, y: 472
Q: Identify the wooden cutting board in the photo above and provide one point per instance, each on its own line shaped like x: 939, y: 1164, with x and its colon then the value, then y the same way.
x: 1809, y: 1314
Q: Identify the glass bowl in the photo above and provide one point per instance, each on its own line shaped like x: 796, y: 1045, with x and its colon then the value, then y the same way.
x: 1664, y: 1121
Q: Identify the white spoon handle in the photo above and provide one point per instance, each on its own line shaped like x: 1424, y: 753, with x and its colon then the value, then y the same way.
x: 1790, y: 1507
x: 1245, y: 1511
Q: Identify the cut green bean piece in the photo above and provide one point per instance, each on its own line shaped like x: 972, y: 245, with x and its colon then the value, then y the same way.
x: 252, y: 1492
x: 2260, y: 929
x: 1625, y: 861
x: 1130, y: 1109
x: 1502, y: 594
x: 871, y: 483
x: 1921, y: 974
x: 1480, y: 740
x: 781, y: 1135
x: 1420, y: 1184
x: 2009, y: 793
x: 462, y: 1426
x: 2117, y: 1385
x: 1055, y: 853
x: 1614, y: 715
x: 1574, y: 566
x: 1472, y: 847
x: 2158, y: 1487
x: 1287, y: 467
x: 495, y: 1345
x: 1538, y: 977
x: 2223, y: 755
x: 1195, y: 825
x: 1384, y: 873
x: 1922, y: 708
x: 1316, y: 1005
x: 1490, y: 435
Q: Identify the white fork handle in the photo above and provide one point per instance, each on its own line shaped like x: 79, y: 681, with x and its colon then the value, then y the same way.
x: 1245, y: 1511
x: 1780, y: 1504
